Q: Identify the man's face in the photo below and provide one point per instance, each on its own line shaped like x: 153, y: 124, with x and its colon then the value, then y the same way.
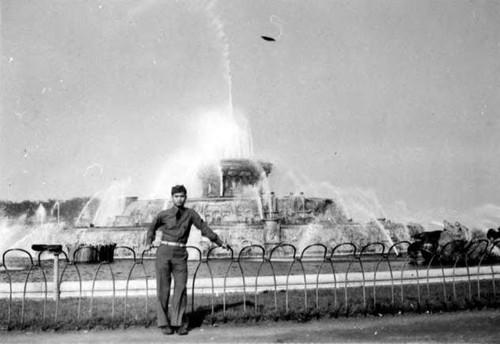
x: 179, y: 198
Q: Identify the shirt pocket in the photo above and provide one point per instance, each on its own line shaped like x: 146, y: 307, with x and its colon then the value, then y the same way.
x: 170, y: 222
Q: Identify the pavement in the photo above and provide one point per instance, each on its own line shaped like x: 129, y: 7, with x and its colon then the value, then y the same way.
x: 477, y: 326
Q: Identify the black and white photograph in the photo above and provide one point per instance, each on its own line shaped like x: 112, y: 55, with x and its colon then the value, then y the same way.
x: 249, y: 171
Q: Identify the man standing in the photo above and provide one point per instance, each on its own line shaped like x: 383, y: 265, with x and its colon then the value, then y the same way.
x: 171, y: 258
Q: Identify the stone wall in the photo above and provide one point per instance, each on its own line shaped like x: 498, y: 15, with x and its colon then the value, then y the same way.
x: 238, y: 235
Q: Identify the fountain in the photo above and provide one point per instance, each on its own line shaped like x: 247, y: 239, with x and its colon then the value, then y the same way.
x: 57, y: 209
x: 41, y: 214
x: 237, y: 203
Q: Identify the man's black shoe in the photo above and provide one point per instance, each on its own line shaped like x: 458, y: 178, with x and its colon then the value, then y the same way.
x: 182, y: 331
x: 166, y: 330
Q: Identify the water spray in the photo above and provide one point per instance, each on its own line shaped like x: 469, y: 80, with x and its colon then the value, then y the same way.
x: 92, y: 167
x: 218, y: 24
x: 55, y: 207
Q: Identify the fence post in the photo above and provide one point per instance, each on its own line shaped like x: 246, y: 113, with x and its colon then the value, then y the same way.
x: 55, y: 279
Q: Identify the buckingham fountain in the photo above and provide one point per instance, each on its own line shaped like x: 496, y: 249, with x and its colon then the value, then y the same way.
x: 238, y: 204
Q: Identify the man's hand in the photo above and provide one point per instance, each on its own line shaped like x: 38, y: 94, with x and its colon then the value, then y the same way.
x: 225, y: 246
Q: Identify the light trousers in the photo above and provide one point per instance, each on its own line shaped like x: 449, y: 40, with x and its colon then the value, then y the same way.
x: 171, y: 261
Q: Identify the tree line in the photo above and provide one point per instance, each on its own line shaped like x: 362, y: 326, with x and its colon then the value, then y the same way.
x: 26, y: 209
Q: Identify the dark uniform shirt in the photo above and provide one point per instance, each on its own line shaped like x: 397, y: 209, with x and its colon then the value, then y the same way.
x: 175, y: 224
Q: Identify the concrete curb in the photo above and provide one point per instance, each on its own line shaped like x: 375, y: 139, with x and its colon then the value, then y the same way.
x: 142, y: 287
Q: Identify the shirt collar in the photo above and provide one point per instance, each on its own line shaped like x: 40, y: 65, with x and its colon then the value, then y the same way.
x: 181, y: 209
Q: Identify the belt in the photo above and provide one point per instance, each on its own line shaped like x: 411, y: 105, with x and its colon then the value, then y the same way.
x: 171, y: 243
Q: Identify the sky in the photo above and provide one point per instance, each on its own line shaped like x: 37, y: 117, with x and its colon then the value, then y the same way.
x: 393, y: 104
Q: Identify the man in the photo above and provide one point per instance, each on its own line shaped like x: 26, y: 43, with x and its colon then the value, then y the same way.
x: 171, y: 258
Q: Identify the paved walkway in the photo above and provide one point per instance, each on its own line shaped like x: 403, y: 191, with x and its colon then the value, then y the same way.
x: 460, y: 327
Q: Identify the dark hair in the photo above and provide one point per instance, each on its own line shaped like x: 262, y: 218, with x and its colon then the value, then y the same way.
x: 179, y: 189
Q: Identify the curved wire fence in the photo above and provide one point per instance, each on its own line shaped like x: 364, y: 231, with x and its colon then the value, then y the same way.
x: 279, y: 279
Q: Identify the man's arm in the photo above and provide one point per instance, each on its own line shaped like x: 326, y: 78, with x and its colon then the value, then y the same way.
x: 206, y: 231
x: 151, y: 233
